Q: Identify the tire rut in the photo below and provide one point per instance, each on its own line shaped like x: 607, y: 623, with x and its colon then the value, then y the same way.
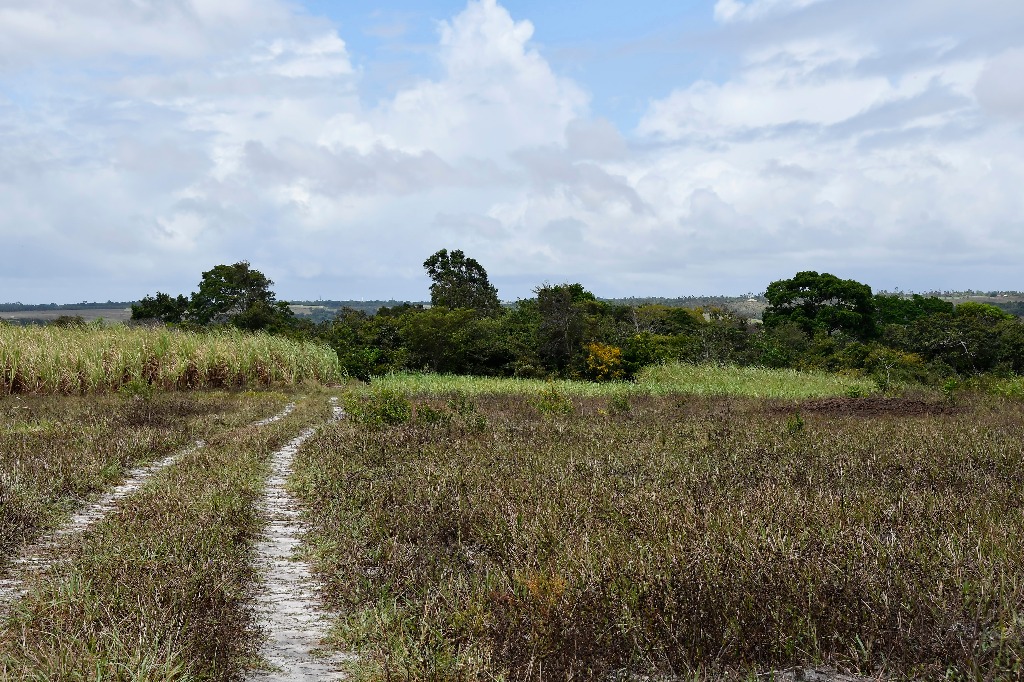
x: 39, y: 556
x: 287, y: 607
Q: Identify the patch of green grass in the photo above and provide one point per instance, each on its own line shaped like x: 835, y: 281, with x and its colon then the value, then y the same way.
x: 757, y: 382
x: 160, y: 589
x: 752, y: 382
x: 683, y: 538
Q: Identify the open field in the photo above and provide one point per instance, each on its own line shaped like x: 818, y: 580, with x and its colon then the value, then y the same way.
x: 685, y: 379
x: 492, y: 538
x: 43, y: 360
x: 468, y: 529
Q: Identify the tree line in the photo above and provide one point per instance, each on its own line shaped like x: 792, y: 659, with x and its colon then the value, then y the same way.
x: 813, y: 321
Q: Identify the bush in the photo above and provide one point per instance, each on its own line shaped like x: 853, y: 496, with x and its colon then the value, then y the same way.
x: 382, y: 407
x: 604, y: 362
x: 552, y: 403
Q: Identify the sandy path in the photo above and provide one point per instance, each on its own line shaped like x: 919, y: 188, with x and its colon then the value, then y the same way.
x: 287, y: 607
x: 39, y: 556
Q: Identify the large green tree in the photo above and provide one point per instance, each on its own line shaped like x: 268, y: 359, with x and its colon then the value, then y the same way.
x: 460, y: 282
x: 821, y: 303
x: 162, y: 307
x: 239, y: 296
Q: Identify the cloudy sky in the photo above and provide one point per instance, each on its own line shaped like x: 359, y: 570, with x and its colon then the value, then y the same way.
x: 657, y: 147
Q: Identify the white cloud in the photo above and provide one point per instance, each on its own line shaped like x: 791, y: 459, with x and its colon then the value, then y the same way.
x: 34, y: 31
x: 751, y: 10
x: 496, y: 95
x: 827, y: 143
x: 1000, y: 88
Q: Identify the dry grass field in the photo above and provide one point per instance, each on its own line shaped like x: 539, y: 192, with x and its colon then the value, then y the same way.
x: 509, y: 538
x: 703, y: 523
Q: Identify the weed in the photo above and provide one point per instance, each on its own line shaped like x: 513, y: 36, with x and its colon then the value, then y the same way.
x: 619, y: 405
x: 425, y: 414
x: 552, y: 403
x: 950, y: 389
x: 379, y: 407
x: 795, y: 424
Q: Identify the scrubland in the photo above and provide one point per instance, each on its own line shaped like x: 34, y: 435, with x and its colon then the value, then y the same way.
x: 561, y: 537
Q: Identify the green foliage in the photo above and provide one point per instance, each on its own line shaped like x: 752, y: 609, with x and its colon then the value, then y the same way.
x: 619, y: 404
x: 552, y: 403
x: 795, y: 424
x: 460, y: 282
x: 448, y: 341
x: 162, y: 307
x: 68, y: 321
x: 783, y: 344
x: 890, y: 367
x: 896, y: 309
x: 564, y: 323
x: 138, y: 389
x: 461, y: 404
x: 380, y: 407
x: 240, y: 296
x: 822, y: 302
x: 427, y: 414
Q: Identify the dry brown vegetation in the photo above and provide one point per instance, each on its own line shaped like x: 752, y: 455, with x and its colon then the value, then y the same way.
x: 526, y: 538
x: 161, y: 588
x: 56, y: 451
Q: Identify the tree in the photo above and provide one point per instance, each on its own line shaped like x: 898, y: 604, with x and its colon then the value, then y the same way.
x: 239, y: 296
x: 822, y: 303
x: 460, y: 282
x: 896, y: 309
x: 161, y: 307
x: 563, y: 323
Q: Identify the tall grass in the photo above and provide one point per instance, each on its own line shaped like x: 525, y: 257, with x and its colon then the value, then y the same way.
x: 755, y: 382
x: 93, y: 359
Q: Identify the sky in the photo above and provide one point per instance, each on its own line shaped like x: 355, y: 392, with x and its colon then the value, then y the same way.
x: 650, y: 148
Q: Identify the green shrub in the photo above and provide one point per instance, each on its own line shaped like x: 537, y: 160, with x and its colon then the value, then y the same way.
x: 552, y: 403
x: 381, y: 407
x: 619, y: 404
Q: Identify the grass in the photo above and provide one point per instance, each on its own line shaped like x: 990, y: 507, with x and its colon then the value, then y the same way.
x: 56, y: 451
x: 160, y: 589
x: 656, y: 380
x: 488, y: 538
x: 96, y: 359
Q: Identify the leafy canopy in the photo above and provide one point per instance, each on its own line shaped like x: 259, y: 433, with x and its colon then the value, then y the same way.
x: 821, y: 303
x: 235, y: 295
x: 460, y: 282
